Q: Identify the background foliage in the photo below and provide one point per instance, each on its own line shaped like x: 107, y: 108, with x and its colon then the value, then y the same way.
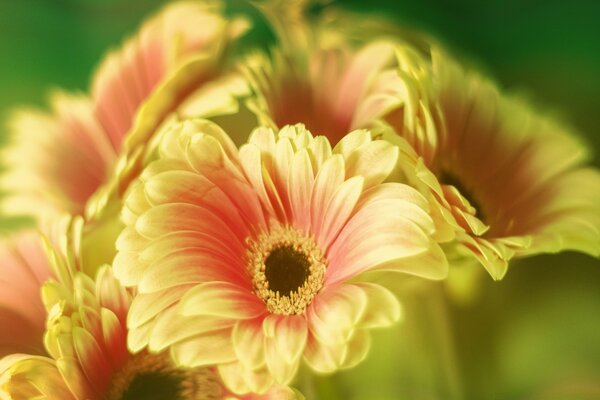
x: 535, y: 335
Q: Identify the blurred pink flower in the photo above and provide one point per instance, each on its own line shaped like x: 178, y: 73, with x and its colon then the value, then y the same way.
x: 56, y: 161
x: 23, y: 271
x: 330, y: 89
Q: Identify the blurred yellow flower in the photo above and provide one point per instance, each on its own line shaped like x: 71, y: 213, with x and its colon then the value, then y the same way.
x: 86, y: 339
x: 23, y: 271
x: 242, y: 258
x: 510, y: 181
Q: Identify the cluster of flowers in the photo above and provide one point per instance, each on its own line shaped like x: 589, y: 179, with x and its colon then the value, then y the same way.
x: 213, y: 217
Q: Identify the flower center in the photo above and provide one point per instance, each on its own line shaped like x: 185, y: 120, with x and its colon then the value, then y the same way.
x: 153, y: 377
x: 287, y: 269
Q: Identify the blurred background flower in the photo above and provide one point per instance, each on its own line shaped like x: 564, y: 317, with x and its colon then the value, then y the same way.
x: 535, y: 334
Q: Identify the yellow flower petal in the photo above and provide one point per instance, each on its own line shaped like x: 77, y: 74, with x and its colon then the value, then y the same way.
x: 336, y: 312
x: 24, y: 377
x: 221, y: 299
x: 211, y: 348
x: 383, y: 309
x: 169, y: 328
x: 242, y: 380
x: 374, y: 161
x: 248, y: 343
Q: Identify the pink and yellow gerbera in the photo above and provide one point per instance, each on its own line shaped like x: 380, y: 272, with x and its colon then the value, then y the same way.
x: 57, y: 160
x: 249, y: 259
x: 510, y: 181
x: 331, y: 89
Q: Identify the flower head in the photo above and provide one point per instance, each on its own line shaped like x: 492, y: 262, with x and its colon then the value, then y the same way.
x: 23, y: 271
x: 243, y: 259
x: 57, y: 160
x: 332, y: 89
x: 509, y: 181
x: 86, y: 339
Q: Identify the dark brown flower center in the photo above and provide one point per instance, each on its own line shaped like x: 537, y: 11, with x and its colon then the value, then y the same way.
x: 153, y: 377
x: 286, y: 269
x: 154, y: 385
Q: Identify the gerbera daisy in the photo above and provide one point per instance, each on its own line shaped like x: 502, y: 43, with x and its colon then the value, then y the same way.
x: 328, y: 88
x: 57, y: 160
x: 86, y: 340
x: 510, y: 181
x: 244, y: 259
x: 23, y: 270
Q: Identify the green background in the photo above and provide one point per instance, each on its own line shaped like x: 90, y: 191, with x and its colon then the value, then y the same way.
x: 536, y: 334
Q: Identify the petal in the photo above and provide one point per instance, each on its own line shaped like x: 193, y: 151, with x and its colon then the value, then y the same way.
x: 138, y: 337
x: 252, y: 163
x: 213, y: 130
x: 487, y: 254
x: 146, y: 306
x: 284, y: 157
x: 174, y: 242
x: 357, y: 349
x: 282, y: 371
x: 114, y: 337
x: 335, y: 312
x: 329, y: 357
x: 366, y: 63
x: 65, y: 166
x: 173, y: 217
x: 300, y: 183
x: 324, y: 358
x: 289, y: 335
x: 23, y: 270
x: 383, y: 309
x: 111, y: 294
x: 329, y: 178
x: 393, y: 237
x: 128, y: 268
x: 248, y: 343
x: 339, y: 210
x: 24, y: 377
x: 211, y: 348
x: 73, y: 376
x: 207, y: 157
x: 320, y: 151
x: 221, y: 299
x: 89, y: 319
x: 242, y: 380
x: 170, y: 327
x: 351, y: 142
x: 393, y: 190
x: 374, y: 161
x: 185, y: 267
x: 92, y: 359
x: 183, y: 187
x: 285, y: 338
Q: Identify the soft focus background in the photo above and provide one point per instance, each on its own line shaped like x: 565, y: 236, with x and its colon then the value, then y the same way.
x: 536, y: 334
